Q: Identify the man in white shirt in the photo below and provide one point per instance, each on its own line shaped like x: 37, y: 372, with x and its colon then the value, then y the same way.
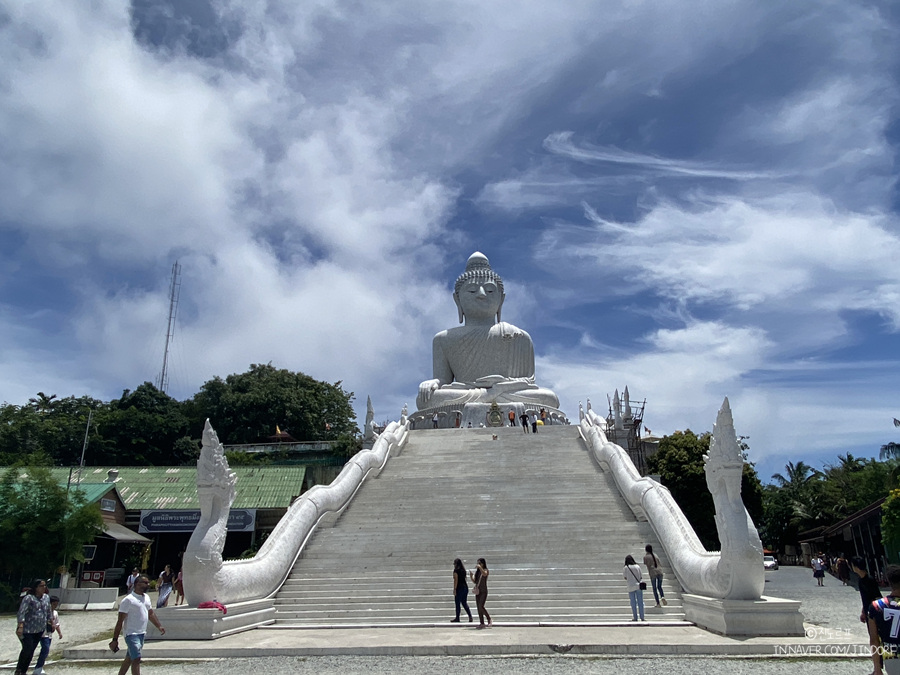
x: 134, y: 612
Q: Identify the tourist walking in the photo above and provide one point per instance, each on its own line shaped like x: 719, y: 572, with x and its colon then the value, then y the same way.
x: 178, y: 587
x: 818, y: 565
x: 164, y: 586
x: 544, y: 418
x: 632, y: 575
x: 129, y: 582
x: 134, y: 612
x: 47, y: 637
x: 512, y: 417
x: 479, y: 587
x: 843, y: 570
x: 524, y: 419
x: 534, y: 422
x: 651, y: 562
x: 869, y: 592
x: 31, y: 621
x: 460, y: 590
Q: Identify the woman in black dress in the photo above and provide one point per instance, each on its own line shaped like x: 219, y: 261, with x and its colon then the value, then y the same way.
x: 460, y: 590
x: 479, y: 580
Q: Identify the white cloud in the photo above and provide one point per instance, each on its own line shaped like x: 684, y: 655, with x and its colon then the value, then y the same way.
x: 306, y: 175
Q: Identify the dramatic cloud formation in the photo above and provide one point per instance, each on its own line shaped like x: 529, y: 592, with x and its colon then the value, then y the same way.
x: 691, y: 199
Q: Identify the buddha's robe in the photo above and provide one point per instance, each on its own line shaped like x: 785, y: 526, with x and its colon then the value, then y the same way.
x: 484, y: 364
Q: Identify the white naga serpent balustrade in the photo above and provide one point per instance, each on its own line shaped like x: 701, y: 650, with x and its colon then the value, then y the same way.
x: 734, y: 573
x: 207, y: 577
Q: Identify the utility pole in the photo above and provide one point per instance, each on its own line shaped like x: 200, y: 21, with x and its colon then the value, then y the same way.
x: 162, y: 382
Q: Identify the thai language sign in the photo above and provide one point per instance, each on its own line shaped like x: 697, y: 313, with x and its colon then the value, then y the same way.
x: 160, y: 520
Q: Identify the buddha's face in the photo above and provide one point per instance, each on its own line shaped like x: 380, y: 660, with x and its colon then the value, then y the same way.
x: 479, y: 300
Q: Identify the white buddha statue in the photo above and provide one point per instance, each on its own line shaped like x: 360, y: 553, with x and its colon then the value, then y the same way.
x: 486, y: 360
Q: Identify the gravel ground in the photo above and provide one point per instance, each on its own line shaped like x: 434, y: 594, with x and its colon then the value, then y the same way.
x: 832, y: 611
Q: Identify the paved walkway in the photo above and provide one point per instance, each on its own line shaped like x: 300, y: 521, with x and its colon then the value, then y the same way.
x: 833, y: 634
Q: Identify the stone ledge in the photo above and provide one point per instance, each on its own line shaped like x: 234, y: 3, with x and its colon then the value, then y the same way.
x: 188, y: 623
x: 772, y: 617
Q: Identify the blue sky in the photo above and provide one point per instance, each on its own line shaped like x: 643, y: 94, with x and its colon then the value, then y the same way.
x: 693, y: 199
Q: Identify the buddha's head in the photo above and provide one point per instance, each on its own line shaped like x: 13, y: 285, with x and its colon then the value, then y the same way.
x: 479, y: 291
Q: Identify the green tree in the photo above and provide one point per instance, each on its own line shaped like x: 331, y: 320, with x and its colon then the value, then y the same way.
x: 41, y: 526
x: 803, y: 490
x: 144, y: 426
x: 853, y: 483
x: 246, y: 407
x: 890, y: 450
x: 679, y: 463
x: 779, y: 527
x: 890, y: 526
x: 45, y: 424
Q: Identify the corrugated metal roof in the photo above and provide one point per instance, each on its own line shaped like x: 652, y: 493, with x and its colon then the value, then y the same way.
x: 175, y: 487
x: 93, y: 491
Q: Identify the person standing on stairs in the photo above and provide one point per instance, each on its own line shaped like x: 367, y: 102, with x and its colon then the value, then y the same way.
x: 651, y: 562
x: 460, y: 590
x: 632, y: 574
x: 479, y: 581
x: 524, y: 418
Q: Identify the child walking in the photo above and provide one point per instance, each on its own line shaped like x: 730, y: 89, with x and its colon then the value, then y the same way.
x: 52, y: 625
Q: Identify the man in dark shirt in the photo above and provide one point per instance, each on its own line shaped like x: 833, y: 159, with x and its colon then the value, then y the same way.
x: 868, y: 587
x: 869, y: 592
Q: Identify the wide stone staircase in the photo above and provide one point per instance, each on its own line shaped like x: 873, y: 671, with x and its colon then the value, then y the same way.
x: 550, y: 523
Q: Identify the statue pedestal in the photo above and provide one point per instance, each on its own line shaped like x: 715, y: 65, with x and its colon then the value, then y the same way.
x: 189, y: 623
x: 764, y: 617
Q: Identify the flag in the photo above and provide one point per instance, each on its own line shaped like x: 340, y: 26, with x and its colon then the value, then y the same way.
x: 896, y: 422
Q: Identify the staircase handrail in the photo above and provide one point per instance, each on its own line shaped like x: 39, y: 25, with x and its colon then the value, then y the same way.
x: 736, y: 572
x: 207, y: 577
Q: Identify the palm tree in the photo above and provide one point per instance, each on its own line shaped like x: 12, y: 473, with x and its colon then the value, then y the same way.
x: 806, y: 502
x: 890, y: 450
x: 798, y: 476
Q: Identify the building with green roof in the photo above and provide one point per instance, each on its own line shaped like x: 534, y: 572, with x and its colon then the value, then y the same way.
x: 157, y: 506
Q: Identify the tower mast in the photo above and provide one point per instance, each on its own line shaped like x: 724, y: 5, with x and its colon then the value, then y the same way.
x: 162, y: 382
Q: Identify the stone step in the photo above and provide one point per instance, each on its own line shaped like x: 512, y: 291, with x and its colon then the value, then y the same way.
x: 550, y: 523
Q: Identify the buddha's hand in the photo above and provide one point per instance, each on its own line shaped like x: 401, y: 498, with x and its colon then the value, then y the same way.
x: 426, y: 389
x: 502, y: 385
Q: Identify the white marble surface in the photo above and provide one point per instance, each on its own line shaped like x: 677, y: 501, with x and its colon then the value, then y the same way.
x: 206, y: 577
x: 735, y: 573
x: 486, y: 359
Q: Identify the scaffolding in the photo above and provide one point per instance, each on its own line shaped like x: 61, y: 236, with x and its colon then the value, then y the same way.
x: 626, y: 430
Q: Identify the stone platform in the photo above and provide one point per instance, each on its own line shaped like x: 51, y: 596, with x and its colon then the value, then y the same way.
x: 644, y: 639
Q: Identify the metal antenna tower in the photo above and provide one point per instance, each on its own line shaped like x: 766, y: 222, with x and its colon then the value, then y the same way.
x: 162, y: 382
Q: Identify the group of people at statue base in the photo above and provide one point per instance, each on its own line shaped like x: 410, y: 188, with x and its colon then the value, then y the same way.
x: 533, y: 419
x: 631, y: 573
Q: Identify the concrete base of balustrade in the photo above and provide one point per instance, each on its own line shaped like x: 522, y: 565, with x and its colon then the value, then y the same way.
x: 764, y: 617
x: 188, y: 623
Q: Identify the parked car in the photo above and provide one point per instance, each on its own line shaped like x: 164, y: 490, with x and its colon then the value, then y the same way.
x: 769, y: 562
